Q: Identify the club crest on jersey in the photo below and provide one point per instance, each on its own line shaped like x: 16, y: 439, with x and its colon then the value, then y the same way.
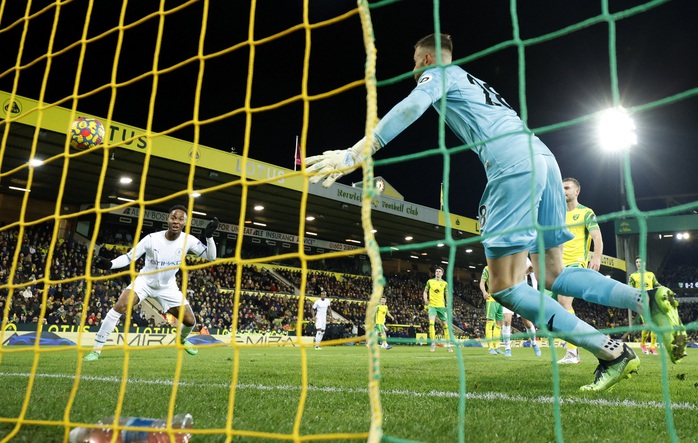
x: 425, y: 79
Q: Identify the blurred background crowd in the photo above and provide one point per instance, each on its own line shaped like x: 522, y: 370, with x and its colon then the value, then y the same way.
x: 268, y: 300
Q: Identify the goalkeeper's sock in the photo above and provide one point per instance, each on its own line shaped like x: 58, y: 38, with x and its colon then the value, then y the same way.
x: 570, y: 347
x: 108, y: 325
x: 595, y: 288
x: 432, y: 332
x: 525, y: 301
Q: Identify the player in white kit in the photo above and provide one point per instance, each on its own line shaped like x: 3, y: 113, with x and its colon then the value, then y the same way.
x: 320, y: 309
x: 163, y: 255
x: 508, y: 315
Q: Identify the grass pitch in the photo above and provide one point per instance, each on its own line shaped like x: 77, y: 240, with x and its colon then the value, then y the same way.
x: 505, y: 399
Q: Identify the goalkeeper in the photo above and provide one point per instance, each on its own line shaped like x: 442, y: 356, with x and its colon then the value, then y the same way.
x: 163, y: 253
x: 510, y: 154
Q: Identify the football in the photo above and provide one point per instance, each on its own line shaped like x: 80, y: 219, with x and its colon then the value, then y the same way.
x: 86, y: 133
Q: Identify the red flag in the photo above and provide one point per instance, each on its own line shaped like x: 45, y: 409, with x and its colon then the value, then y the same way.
x: 297, y: 155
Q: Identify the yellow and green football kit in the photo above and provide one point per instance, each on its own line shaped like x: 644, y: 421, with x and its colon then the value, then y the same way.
x: 647, y: 280
x: 436, y: 289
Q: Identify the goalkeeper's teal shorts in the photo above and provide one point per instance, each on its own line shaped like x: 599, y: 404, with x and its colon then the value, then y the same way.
x: 505, y: 208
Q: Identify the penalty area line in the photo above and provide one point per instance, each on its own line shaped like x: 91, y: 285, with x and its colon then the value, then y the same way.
x: 481, y: 396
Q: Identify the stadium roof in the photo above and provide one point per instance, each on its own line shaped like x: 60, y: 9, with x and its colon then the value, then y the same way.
x: 217, y: 176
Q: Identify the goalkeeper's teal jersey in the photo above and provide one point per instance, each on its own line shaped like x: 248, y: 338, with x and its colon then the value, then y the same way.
x: 474, y: 111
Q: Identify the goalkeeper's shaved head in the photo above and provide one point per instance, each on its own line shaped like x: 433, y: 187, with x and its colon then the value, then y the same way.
x: 429, y: 42
x: 425, y: 53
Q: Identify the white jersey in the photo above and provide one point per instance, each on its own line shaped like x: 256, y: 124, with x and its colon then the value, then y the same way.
x: 161, y: 253
x: 321, y: 306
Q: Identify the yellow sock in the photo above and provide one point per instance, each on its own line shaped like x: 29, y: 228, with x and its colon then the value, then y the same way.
x: 432, y: 332
x: 496, y: 333
x: 489, y: 327
x: 570, y: 346
x: 653, y: 340
x: 446, y: 336
x: 643, y: 338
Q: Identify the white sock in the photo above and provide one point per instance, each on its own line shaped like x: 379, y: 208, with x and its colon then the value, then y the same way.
x: 318, y: 337
x: 108, y: 325
x: 532, y: 331
x: 506, y: 336
x: 185, y: 330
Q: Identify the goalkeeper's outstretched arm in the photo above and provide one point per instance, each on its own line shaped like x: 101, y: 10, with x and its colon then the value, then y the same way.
x: 331, y: 165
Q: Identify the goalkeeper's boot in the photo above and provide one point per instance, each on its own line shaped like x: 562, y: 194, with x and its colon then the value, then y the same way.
x: 189, y: 347
x: 92, y: 356
x: 609, y: 373
x: 663, y: 307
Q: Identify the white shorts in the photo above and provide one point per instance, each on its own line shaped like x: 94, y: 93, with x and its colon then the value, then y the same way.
x: 506, y: 310
x: 167, y: 296
x: 321, y: 323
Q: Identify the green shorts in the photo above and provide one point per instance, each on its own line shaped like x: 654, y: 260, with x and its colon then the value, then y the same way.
x: 439, y: 313
x: 380, y: 329
x: 493, y: 310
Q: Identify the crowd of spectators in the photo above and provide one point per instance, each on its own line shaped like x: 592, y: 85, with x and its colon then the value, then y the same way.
x: 268, y: 299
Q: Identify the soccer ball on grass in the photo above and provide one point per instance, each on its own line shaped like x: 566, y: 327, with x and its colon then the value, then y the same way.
x: 86, y: 133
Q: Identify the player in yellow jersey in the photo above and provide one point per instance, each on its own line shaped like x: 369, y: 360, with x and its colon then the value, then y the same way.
x: 644, y: 279
x: 435, y: 301
x: 581, y: 221
x: 493, y: 314
x: 380, y: 328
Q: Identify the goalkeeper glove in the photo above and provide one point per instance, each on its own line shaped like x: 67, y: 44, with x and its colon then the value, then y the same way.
x: 102, y: 263
x: 211, y: 227
x: 331, y: 165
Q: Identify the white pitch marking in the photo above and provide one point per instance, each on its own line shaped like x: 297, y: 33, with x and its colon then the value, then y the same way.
x: 486, y: 396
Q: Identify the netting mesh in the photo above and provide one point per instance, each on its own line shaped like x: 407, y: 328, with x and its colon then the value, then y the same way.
x: 75, y: 50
